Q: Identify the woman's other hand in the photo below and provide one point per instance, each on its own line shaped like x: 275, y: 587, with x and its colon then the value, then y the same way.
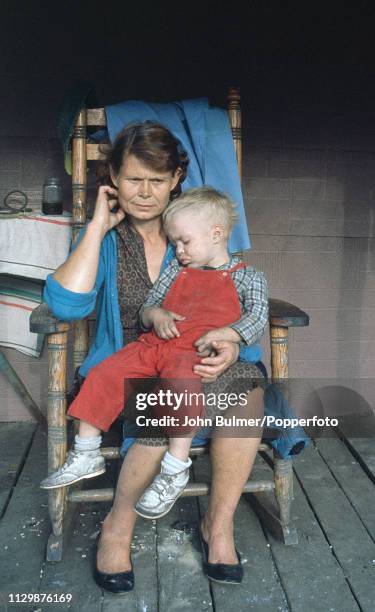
x: 103, y: 217
x: 204, y: 343
x: 225, y: 354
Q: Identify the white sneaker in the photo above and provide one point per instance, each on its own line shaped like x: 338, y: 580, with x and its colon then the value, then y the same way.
x: 161, y: 495
x: 78, y: 465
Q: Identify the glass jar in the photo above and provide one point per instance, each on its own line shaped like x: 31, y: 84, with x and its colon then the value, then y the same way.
x: 52, y: 201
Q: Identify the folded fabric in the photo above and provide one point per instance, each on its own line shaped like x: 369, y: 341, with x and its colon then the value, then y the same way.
x: 31, y: 247
x: 205, y: 135
x: 18, y: 298
x: 34, y: 245
x: 289, y: 440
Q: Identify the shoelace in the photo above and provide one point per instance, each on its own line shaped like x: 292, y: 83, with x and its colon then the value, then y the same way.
x: 69, y: 460
x: 162, y: 484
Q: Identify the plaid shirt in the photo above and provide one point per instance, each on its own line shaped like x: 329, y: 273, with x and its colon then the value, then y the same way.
x: 252, y: 290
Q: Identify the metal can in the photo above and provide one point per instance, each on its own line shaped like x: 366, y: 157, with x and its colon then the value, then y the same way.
x: 52, y: 202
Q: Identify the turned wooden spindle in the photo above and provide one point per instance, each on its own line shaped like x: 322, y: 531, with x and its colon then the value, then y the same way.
x: 234, y: 115
x: 57, y: 439
x: 279, y: 352
x: 79, y: 163
x: 234, y: 112
x: 79, y: 173
x: 283, y: 469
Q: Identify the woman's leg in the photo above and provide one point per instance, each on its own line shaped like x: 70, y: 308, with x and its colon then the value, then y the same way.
x: 138, y: 470
x: 232, y: 460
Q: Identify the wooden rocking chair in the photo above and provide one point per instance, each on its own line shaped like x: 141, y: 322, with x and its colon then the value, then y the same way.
x: 272, y: 498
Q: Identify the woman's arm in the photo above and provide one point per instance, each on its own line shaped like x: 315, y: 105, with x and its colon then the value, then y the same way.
x: 79, y: 272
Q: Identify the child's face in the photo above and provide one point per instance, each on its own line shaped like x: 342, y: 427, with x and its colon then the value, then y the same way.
x: 195, y: 239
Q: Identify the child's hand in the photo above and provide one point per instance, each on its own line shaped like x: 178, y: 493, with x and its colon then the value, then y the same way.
x: 204, y: 343
x: 164, y: 323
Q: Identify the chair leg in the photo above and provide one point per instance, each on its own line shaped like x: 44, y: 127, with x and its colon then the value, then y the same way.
x: 273, y: 509
x: 283, y: 470
x: 57, y: 442
x: 276, y: 517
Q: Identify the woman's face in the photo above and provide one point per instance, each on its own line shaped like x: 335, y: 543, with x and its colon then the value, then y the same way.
x: 143, y: 192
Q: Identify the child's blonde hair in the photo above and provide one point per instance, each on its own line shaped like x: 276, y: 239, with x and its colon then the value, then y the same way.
x: 220, y: 208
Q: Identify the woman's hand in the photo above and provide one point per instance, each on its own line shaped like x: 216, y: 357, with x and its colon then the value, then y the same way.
x: 226, y: 354
x: 204, y: 343
x: 103, y: 218
x: 163, y: 322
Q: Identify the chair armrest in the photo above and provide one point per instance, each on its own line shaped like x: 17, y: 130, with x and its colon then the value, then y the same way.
x: 283, y: 314
x: 42, y: 321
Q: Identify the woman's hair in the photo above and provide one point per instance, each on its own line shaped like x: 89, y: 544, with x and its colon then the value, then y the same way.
x: 207, y: 201
x: 153, y: 145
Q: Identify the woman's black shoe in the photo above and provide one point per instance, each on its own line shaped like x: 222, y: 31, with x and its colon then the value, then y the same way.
x: 222, y: 572
x: 115, y: 583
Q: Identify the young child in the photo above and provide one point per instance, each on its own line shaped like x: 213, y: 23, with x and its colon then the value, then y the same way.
x: 204, y: 295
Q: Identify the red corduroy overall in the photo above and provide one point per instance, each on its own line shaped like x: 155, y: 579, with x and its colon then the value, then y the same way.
x: 207, y: 299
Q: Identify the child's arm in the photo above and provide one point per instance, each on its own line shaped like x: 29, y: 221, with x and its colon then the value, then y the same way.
x: 253, y: 294
x: 152, y: 314
x: 159, y: 290
x: 163, y: 322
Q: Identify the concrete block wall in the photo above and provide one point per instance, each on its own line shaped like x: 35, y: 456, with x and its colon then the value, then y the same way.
x: 312, y: 221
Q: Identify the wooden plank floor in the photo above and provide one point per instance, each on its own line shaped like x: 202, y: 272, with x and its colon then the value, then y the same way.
x: 331, y: 569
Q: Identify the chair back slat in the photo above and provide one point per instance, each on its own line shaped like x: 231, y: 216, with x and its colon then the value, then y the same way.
x: 96, y: 116
x: 94, y: 153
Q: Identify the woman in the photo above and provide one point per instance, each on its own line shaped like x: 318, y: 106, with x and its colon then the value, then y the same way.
x: 125, y: 239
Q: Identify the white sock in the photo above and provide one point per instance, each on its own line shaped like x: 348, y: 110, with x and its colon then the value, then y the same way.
x: 172, y: 465
x: 87, y: 444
